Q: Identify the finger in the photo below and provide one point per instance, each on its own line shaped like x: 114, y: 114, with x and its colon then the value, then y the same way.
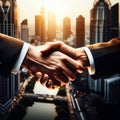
x: 72, y: 64
x: 61, y: 77
x: 68, y: 71
x: 47, y: 49
x: 71, y: 74
x: 38, y: 75
x: 55, y: 82
x: 50, y: 84
x: 81, y: 69
x: 44, y: 79
x: 51, y: 46
x: 68, y: 50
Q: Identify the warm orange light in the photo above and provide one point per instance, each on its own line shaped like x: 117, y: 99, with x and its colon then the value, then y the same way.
x: 56, y: 6
x: 50, y: 5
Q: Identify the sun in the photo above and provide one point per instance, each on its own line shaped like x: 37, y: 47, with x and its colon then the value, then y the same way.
x: 50, y: 5
x: 55, y: 6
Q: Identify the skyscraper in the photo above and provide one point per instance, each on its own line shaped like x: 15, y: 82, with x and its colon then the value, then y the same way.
x: 8, y: 20
x: 115, y: 20
x: 51, y: 26
x: 111, y: 90
x: 80, y: 31
x: 99, y: 32
x: 8, y: 26
x: 103, y: 26
x: 24, y: 31
x: 40, y: 26
x: 66, y: 28
x: 100, y: 21
x: 37, y: 22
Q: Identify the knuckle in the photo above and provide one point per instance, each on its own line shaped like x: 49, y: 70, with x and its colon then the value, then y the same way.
x: 46, y: 76
x: 63, y: 59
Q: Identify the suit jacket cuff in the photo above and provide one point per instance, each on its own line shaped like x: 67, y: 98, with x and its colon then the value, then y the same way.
x: 20, y: 58
x: 91, y: 68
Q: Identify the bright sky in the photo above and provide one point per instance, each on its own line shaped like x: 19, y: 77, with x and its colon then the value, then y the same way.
x: 70, y: 8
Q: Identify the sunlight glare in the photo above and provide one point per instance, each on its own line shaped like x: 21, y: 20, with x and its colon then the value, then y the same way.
x: 50, y: 5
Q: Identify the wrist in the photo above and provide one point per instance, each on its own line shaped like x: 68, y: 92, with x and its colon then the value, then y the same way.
x: 30, y: 52
x: 29, y: 55
x: 91, y: 66
x: 82, y: 56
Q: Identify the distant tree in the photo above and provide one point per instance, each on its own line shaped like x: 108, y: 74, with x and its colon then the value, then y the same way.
x: 30, y: 86
x: 62, y: 91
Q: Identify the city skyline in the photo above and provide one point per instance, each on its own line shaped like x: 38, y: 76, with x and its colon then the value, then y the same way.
x: 103, y: 26
x: 74, y: 9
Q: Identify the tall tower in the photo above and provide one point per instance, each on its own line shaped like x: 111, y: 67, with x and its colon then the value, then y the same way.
x: 37, y: 28
x: 51, y: 26
x: 100, y: 21
x: 16, y: 19
x: 8, y: 17
x: 80, y: 31
x: 103, y: 27
x: 8, y: 26
x: 115, y: 20
x: 40, y: 26
x: 66, y: 28
x: 24, y: 31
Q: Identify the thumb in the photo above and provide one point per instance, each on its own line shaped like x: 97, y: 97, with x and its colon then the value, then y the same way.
x: 50, y: 47
x: 45, y: 48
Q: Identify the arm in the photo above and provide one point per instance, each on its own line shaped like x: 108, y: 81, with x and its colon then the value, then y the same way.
x: 106, y: 57
x: 9, y: 51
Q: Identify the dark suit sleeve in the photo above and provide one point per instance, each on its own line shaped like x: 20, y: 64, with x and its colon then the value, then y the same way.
x: 106, y: 57
x: 9, y: 51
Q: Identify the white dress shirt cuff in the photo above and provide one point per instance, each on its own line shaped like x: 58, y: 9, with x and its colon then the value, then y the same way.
x: 91, y: 69
x: 20, y: 58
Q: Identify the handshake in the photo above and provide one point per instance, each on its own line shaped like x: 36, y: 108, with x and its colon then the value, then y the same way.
x: 55, y: 63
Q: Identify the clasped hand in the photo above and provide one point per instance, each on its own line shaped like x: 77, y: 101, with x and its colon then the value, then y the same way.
x: 57, y: 62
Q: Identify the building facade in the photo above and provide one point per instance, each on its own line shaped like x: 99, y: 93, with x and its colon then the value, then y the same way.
x: 66, y: 28
x: 51, y: 32
x: 80, y: 31
x: 115, y: 20
x: 24, y: 31
x: 100, y: 21
x: 40, y: 26
x: 8, y: 17
x: 104, y: 25
x: 9, y: 26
